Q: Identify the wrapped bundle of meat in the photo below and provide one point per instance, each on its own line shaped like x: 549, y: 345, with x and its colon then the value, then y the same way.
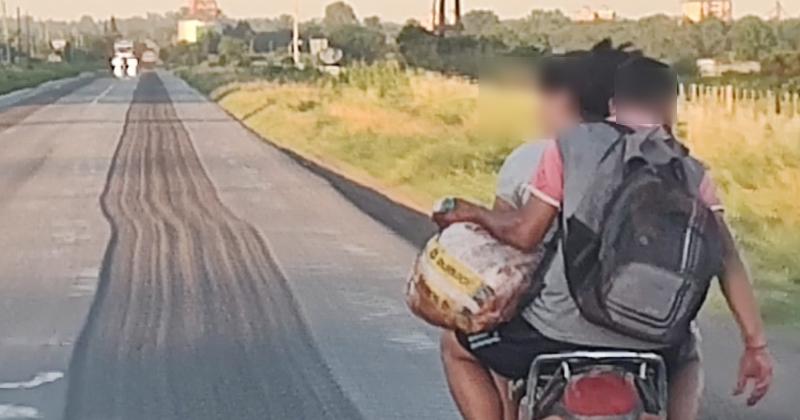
x: 466, y: 280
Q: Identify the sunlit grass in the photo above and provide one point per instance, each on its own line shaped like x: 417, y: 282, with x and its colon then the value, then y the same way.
x: 755, y: 159
x: 431, y: 136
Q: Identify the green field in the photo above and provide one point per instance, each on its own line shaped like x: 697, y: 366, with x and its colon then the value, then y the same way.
x: 20, y: 77
x: 422, y: 136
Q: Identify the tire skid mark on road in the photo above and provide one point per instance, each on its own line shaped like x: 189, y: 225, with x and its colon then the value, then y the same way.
x: 192, y: 319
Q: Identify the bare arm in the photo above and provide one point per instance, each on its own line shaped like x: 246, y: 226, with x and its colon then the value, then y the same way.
x: 500, y: 205
x: 523, y: 229
x: 756, y: 363
x: 738, y: 291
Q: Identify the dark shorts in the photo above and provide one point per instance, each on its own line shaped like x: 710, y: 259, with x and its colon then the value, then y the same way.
x: 511, y: 349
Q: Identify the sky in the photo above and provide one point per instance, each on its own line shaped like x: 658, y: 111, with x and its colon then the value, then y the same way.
x: 393, y: 10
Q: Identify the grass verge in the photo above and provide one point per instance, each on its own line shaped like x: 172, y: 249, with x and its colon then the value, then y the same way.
x: 14, y: 78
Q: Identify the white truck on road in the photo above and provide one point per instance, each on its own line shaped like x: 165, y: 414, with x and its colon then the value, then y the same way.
x: 124, y: 62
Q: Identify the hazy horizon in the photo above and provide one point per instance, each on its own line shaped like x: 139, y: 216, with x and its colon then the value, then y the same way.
x: 390, y: 10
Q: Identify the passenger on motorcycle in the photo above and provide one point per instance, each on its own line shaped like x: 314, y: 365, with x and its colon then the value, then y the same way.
x: 553, y: 323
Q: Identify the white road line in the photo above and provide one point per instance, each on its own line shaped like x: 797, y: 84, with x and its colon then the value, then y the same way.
x: 8, y: 411
x: 40, y: 379
x: 102, y: 95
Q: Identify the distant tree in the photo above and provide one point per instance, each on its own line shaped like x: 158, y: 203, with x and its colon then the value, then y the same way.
x: 232, y: 50
x: 708, y: 38
x: 182, y: 54
x: 97, y: 47
x: 339, y: 14
x: 242, y: 30
x: 660, y: 35
x: 373, y: 22
x: 782, y: 65
x: 686, y: 67
x: 285, y: 21
x: 312, y: 30
x: 419, y: 47
x: 208, y: 43
x: 481, y: 22
x: 788, y: 33
x: 752, y: 38
x: 455, y: 54
x: 540, y: 25
x: 358, y: 43
x: 87, y: 25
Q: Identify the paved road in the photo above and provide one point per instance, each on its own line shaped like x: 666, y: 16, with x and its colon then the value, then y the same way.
x: 160, y: 262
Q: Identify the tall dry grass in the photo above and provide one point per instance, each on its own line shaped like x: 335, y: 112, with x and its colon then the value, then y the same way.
x: 420, y: 132
x: 754, y: 156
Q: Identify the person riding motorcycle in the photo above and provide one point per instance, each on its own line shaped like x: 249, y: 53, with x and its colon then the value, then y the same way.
x: 552, y: 323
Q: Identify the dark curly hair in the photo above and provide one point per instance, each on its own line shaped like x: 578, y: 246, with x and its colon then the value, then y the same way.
x: 596, y: 77
x: 588, y: 75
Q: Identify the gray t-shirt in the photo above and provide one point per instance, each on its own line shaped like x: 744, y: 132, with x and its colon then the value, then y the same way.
x: 554, y: 312
x: 518, y: 171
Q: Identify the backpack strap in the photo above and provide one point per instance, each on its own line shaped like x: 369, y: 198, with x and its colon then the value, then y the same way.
x: 582, y: 137
x: 582, y: 149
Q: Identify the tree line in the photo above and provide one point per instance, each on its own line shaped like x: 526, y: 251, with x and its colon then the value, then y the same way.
x: 775, y: 44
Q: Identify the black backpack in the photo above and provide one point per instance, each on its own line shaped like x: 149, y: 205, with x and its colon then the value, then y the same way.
x: 641, y: 248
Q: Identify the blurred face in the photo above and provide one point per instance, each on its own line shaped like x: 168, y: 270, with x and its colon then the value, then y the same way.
x: 633, y: 114
x: 557, y: 111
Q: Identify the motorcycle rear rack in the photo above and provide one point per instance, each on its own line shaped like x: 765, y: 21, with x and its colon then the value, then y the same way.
x: 649, y: 367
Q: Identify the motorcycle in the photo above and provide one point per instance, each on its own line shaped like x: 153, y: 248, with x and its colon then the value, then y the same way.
x: 595, y: 385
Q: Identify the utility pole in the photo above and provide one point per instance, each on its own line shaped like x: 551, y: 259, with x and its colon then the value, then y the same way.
x: 19, y: 31
x: 6, y: 37
x: 28, y: 39
x: 457, y: 11
x: 296, y: 34
x: 442, y: 17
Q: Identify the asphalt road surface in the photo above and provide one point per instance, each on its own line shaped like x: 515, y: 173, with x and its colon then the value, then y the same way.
x: 158, y: 261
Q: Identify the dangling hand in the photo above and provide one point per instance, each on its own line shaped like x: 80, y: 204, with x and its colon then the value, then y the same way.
x: 756, y: 367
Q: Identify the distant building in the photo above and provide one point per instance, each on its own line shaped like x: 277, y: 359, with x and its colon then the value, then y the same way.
x: 700, y: 10
x: 588, y: 14
x: 317, y: 45
x: 190, y: 30
x: 710, y: 67
x: 201, y: 16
